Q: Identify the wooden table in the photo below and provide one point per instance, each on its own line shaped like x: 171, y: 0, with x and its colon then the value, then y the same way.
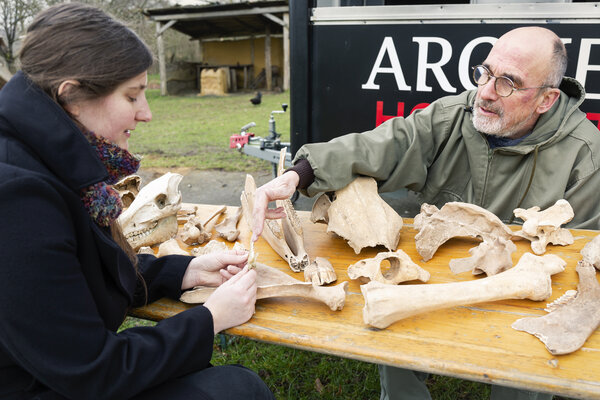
x: 472, y: 342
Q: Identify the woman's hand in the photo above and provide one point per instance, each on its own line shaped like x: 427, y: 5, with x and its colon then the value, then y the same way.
x: 213, y: 269
x: 280, y: 188
x: 233, y: 302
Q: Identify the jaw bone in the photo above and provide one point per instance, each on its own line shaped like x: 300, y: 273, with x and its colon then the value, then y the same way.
x: 543, y: 227
x: 285, y: 235
x: 401, y: 269
x: 273, y: 283
x: 529, y: 279
x: 152, y: 217
x: 571, y: 319
x: 360, y: 216
x: 455, y: 219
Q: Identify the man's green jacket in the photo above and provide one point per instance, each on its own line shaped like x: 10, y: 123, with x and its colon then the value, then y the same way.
x: 438, y: 153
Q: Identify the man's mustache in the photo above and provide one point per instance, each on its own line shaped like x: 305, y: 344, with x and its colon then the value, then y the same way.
x: 489, y: 106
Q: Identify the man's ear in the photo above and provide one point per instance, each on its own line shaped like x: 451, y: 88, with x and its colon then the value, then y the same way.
x: 64, y: 89
x: 549, y: 98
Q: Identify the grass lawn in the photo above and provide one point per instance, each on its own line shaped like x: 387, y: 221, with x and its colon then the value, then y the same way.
x: 191, y: 131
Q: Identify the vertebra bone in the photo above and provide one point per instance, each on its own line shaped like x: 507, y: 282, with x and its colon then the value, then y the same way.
x: 529, y: 279
x: 401, y: 269
x: 543, y: 227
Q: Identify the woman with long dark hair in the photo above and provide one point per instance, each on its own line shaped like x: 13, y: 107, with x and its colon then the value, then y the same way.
x: 67, y: 275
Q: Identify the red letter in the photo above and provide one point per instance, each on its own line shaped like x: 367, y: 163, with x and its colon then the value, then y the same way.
x: 380, y: 118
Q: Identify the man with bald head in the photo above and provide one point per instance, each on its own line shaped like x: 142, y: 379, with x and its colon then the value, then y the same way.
x: 518, y: 140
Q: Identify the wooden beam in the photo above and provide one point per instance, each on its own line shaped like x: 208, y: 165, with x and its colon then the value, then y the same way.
x: 162, y: 66
x: 275, y: 19
x: 268, y: 72
x: 219, y: 14
x: 165, y: 27
x: 286, y: 52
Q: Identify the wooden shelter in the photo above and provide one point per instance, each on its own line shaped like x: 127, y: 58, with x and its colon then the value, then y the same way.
x: 220, y: 23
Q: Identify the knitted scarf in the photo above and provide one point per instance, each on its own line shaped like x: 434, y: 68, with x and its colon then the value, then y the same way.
x: 101, y: 201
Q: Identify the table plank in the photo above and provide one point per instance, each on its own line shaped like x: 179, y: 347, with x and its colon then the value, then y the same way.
x: 473, y: 342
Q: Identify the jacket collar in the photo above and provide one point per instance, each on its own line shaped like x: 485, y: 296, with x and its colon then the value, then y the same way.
x: 44, y: 127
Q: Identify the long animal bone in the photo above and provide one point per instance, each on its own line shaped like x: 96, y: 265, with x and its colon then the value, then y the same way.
x: 529, y: 279
x: 543, y: 227
x: 320, y: 272
x: 462, y: 219
x: 401, y: 269
x: 274, y: 283
x: 152, y: 217
x: 571, y: 319
x: 360, y: 216
x: 284, y: 236
x: 227, y: 229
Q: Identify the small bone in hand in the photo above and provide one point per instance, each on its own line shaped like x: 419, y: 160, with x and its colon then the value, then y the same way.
x: 320, y: 272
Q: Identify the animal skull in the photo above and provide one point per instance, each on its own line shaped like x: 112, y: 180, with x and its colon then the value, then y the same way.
x: 128, y: 188
x: 152, y: 217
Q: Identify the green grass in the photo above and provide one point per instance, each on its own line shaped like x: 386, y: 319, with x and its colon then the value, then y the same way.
x: 193, y: 131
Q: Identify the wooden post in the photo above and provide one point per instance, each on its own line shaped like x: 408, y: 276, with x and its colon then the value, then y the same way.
x: 162, y: 66
x: 286, y: 52
x: 268, y: 74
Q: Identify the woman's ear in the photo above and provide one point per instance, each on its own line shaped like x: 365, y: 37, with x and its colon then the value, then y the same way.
x: 64, y: 89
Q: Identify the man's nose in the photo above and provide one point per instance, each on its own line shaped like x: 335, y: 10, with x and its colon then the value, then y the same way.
x: 488, y: 91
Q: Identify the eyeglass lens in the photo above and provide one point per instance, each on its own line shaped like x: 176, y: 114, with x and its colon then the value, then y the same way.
x: 504, y: 87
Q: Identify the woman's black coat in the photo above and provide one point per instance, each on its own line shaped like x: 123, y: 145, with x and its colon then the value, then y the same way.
x: 65, y: 286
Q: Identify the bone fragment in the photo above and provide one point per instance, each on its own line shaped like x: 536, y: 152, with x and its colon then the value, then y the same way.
x: 210, y: 247
x: 456, y: 219
x: 543, y: 227
x: 320, y: 208
x: 145, y: 250
x: 196, y: 231
x: 591, y: 252
x: 152, y: 217
x: 284, y: 236
x: 186, y: 212
x: 574, y: 316
x: 361, y: 217
x: 529, y: 279
x: 401, y: 269
x: 566, y: 329
x: 227, y: 229
x: 170, y: 247
x: 274, y: 283
x: 128, y: 188
x: 320, y: 272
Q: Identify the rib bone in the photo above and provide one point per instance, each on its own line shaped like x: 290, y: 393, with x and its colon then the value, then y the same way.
x: 572, y: 319
x: 529, y: 279
x: 401, y: 269
x: 274, y: 283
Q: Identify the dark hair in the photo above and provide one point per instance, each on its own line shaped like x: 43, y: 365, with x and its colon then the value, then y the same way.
x: 558, y: 63
x: 80, y: 42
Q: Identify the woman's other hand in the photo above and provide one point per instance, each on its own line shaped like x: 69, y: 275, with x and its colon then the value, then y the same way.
x: 233, y: 302
x: 213, y: 269
x: 280, y: 188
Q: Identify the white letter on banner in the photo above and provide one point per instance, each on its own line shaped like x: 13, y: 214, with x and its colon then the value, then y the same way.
x: 583, y: 65
x: 436, y: 68
x: 464, y: 69
x: 387, y: 47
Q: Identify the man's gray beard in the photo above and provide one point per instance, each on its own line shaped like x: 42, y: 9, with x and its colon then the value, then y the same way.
x: 489, y: 126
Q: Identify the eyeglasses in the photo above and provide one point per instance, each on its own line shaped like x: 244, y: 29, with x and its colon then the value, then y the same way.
x: 504, y: 86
